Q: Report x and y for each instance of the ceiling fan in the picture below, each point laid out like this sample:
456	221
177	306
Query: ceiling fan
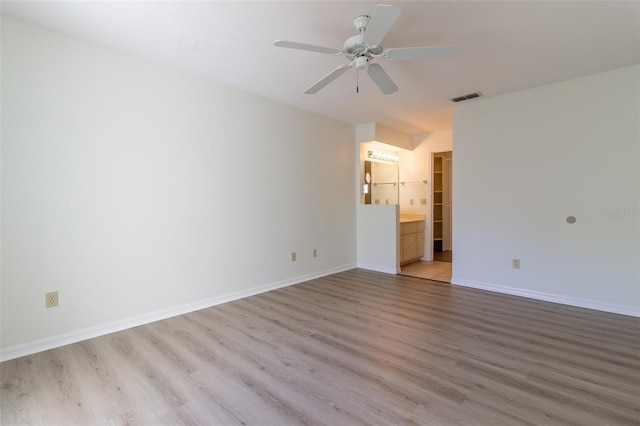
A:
365	48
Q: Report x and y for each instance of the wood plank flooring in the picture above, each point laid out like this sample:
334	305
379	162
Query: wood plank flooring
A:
353	348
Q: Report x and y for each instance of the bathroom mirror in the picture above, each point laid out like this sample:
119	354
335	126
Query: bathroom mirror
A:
383	188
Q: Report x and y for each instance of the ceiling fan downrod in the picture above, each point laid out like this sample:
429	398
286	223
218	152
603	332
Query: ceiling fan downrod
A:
361	22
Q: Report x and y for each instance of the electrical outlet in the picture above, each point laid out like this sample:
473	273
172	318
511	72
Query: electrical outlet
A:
515	263
51	299
293	256
315	253
423	201
386	201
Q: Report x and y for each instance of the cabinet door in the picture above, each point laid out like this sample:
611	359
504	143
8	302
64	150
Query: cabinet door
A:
409	245
419	244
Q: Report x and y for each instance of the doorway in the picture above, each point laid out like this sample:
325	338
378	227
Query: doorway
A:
441	203
438	260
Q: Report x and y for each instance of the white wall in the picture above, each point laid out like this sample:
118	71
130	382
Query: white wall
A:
392	136
369	132
525	161
138	191
378	231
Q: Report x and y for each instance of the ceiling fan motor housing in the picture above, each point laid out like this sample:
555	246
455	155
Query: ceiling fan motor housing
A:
354	47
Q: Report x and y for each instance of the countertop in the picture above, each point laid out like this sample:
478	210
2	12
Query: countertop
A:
406	217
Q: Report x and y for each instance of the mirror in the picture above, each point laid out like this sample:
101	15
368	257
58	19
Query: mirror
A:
383	185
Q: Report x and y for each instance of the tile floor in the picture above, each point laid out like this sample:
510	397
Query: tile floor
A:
443	256
437	271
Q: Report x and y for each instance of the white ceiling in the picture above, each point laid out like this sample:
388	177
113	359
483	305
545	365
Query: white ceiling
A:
504	47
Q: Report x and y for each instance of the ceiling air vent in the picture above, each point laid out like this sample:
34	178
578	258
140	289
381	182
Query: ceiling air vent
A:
465	97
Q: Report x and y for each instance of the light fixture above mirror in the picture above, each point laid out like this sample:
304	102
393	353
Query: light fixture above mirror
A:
384	156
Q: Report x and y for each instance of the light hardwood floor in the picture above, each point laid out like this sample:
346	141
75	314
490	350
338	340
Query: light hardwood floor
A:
352	348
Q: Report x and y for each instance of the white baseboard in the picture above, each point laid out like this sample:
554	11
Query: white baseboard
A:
555	298
100	330
378	268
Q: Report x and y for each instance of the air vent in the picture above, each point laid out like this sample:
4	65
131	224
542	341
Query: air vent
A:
466	97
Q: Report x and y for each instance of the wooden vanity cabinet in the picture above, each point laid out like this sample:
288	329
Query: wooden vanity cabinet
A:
411	241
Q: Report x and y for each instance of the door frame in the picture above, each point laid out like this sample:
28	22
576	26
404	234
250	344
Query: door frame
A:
428	249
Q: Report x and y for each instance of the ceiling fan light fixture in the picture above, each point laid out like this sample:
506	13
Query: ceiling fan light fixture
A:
362	63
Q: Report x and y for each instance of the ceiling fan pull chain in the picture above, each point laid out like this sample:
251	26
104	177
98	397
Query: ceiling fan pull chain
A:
357	88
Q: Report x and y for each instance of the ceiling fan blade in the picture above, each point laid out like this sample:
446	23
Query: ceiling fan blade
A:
418	53
304	46
383	18
328	79
382	79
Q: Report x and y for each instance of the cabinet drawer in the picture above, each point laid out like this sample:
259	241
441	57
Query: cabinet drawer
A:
419	226
408	228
